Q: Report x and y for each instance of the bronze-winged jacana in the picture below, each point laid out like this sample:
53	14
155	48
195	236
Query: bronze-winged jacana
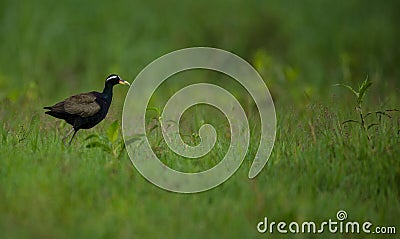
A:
84	111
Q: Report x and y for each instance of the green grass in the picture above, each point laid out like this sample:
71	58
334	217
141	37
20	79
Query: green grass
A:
317	168
50	50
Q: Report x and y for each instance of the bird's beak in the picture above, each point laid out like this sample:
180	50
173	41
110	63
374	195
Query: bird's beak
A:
122	82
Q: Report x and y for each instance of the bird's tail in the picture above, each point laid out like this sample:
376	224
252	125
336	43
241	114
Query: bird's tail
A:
53	112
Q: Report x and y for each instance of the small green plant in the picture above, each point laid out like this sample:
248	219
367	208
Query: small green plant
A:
111	142
158	121
360	94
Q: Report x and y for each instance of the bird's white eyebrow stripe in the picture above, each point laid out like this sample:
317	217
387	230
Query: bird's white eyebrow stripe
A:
112	77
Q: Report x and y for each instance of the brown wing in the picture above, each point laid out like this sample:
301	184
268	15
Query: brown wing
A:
84	105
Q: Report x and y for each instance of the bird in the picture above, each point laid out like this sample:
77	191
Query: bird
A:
85	110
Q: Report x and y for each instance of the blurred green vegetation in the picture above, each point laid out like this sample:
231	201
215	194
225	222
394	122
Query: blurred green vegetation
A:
53	49
300	47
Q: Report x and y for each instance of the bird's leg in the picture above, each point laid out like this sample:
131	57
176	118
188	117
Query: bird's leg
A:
68	134
72	137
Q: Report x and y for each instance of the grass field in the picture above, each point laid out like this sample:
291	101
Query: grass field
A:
318	165
317	168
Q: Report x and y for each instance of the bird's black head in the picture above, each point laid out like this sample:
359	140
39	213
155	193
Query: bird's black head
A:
114	79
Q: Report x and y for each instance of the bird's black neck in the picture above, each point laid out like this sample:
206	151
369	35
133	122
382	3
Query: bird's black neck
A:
108	91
